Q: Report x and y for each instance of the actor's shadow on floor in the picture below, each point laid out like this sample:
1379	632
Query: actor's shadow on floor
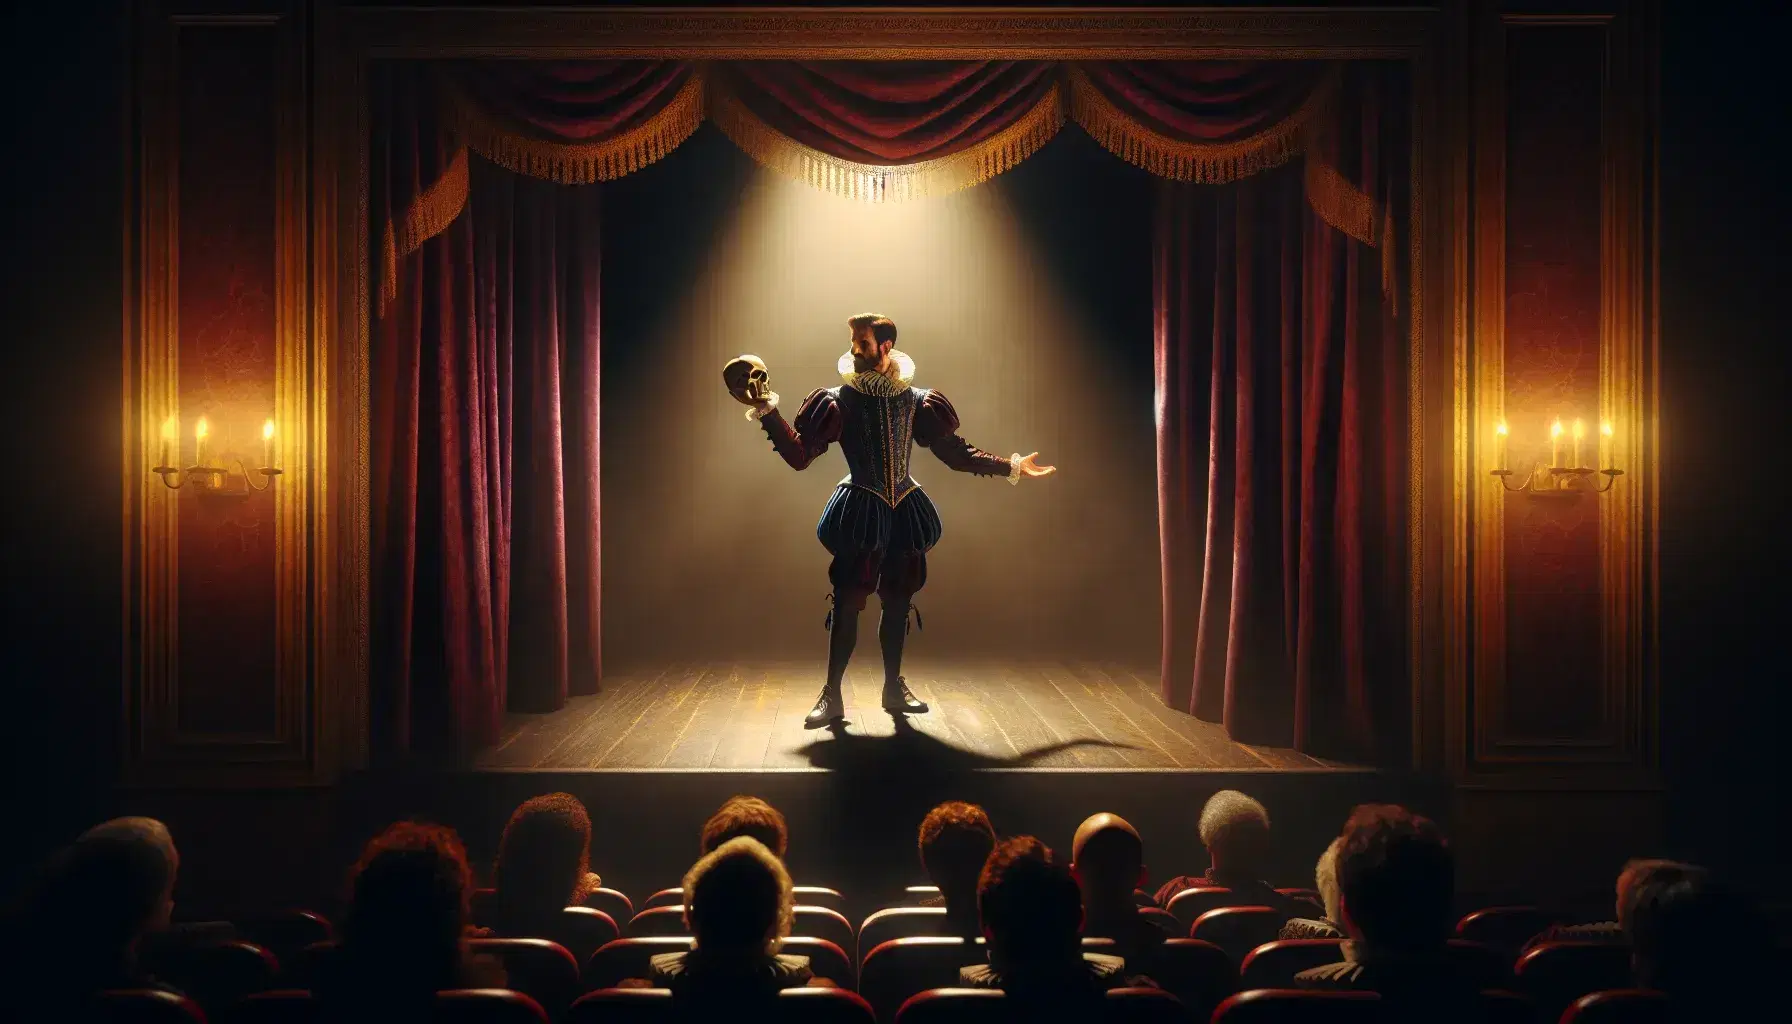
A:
912	754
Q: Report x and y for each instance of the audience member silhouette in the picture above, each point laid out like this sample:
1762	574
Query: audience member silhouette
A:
543	866
955	840
1032	914
1396	886
746	816
1107	859
1235	830
739	908
1704	944
1325	881
404	937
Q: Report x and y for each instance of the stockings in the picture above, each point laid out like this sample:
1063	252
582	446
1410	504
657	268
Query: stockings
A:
843	636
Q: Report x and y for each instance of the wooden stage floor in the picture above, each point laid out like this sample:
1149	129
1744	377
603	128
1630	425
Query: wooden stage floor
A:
723	716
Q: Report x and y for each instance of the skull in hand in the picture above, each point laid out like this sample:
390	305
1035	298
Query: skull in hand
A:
747	380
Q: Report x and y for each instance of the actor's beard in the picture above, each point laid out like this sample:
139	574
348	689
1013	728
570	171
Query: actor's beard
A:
866	364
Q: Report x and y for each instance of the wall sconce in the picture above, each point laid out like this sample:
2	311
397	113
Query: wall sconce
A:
209	479
1558	479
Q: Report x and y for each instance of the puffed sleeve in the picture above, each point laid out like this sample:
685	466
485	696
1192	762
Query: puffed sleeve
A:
817	426
936	429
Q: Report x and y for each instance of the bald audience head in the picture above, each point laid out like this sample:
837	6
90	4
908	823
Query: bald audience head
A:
1108	859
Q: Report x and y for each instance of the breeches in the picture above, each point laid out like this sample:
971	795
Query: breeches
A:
877	548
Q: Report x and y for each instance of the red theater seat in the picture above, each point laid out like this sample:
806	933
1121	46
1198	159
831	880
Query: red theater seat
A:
583	931
305	969
664	898
1164	920
895	970
822	923
612	903
951	1006
1298	1006
545	971
900	923
623	1006
216	974
1198	973
622	959
1556	974
1505	928
1190	904
487	1006
145	1006
657	921
819	896
281	1006
1144	1006
1619	1006
823	1006
826	959
1237	930
285	932
1274	964
914	894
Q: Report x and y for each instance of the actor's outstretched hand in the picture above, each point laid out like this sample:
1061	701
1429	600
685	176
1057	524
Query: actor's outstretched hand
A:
1030	468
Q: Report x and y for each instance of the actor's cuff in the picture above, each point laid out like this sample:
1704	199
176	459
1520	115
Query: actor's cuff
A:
758	412
1014	468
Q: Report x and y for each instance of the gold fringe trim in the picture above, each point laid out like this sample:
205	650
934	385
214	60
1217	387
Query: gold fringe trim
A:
1338	202
878	183
1207	163
578	163
428	216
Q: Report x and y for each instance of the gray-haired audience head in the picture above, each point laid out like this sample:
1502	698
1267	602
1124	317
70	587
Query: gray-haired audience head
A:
1235	830
155	849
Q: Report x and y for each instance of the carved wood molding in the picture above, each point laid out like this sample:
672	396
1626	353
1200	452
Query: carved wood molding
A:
1621	750
162	747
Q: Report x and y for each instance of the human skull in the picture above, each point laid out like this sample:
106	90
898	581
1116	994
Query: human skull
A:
747	379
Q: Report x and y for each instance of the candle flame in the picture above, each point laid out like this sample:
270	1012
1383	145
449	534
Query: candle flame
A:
1500	428
170	427
202	429
1556	431
1606	428
267	430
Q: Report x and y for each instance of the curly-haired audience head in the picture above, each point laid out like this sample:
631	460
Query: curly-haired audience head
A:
1031	908
1108	859
1235	830
1690	935
1325	879
746	816
954	841
1641	877
1396	879
408	897
738	900
544	857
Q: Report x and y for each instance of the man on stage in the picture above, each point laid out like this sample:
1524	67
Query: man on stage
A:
879	524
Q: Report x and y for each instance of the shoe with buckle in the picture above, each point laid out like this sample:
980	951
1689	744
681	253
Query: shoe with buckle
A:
829	708
899	700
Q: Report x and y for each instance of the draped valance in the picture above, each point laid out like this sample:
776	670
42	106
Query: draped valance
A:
882	130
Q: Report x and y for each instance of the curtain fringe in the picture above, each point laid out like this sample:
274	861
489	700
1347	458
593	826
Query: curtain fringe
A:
879	183
1338	202
579	163
1206	163
428	216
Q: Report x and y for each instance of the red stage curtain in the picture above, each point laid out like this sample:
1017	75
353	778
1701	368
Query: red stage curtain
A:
484	401
1281	410
888	129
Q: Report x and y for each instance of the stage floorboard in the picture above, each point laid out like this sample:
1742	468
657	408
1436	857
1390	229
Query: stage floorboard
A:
747	716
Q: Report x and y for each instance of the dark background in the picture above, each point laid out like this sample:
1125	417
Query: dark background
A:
1724	368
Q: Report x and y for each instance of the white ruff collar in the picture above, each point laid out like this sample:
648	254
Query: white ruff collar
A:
871	382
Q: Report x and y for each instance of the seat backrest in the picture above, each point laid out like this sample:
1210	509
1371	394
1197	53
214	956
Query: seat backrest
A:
1274	964
486	1006
622	959
1482	965
823	923
280	1006
1164	920
819	896
544	970
1556	974
1310	895
1141	898
914	894
285	932
611	902
623	1006
1619	1006
895	970
307	967
662	920
1190	904
1238	930
826	959
900	923
1198	973
823	1006
664	898
1505	928
583	931
145	1006
951	1006
216	974
1144	1006
1298	1006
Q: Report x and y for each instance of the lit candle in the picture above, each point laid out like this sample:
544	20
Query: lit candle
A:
169	429
199	433
1580	431
1555	444
267	445
1606	442
1499	445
